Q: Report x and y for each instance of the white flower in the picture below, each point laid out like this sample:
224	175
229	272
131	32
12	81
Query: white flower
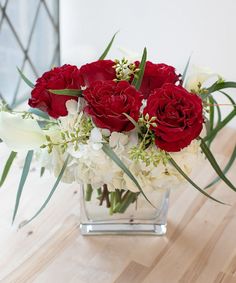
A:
199	76
20	134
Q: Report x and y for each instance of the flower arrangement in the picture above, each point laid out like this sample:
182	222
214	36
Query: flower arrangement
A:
120	128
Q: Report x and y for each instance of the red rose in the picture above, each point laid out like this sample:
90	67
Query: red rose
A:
63	77
101	70
108	100
179	116
155	76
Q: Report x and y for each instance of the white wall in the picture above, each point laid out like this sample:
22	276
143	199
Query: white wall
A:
170	29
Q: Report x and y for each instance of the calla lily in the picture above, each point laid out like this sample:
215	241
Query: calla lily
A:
198	77
19	133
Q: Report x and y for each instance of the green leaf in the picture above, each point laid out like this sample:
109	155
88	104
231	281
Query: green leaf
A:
218	121
7	167
69	92
26	80
226	169
110	153
191	182
211	114
133	122
23	178
51	193
218	86
218	111
42	170
230	98
221	125
137	81
104	54
186	70
215	165
39	113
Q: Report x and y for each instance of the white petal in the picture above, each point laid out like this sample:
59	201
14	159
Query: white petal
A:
71	106
20	134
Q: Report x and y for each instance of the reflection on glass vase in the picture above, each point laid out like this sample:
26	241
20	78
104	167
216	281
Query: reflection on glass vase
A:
123	212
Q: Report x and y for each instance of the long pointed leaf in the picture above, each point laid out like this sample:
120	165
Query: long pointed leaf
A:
137	81
70	92
218	86
26	80
105	52
7	167
230	98
109	152
39	113
226	169
42	170
191	182
225	121
215	165
23	178
51	193
186	69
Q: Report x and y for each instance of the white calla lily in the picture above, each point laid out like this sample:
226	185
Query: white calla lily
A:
198	76
19	133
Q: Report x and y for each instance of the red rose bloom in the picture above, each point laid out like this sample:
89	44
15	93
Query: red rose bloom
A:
179	116
108	100
63	77
155	76
101	70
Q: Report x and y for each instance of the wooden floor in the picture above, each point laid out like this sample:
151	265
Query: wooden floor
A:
200	245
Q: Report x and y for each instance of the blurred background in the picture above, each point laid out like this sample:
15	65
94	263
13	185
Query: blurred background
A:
38	34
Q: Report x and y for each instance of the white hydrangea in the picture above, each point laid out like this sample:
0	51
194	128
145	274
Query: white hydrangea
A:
90	165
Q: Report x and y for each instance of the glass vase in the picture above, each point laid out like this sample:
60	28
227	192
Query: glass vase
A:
123	212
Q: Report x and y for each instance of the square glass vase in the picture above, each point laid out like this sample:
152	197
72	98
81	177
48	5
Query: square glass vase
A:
102	214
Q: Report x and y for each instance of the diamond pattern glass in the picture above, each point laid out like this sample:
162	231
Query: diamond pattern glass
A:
29	39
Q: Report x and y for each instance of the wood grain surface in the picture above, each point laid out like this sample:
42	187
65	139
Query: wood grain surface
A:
200	245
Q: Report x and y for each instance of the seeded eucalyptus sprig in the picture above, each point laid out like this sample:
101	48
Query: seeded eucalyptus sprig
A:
125	70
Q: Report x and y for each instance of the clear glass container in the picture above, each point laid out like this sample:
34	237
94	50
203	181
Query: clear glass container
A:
139	217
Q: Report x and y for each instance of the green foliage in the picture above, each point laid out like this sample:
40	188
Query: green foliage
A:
190	181
25	79
51	193
7	167
105	52
23	178
137	81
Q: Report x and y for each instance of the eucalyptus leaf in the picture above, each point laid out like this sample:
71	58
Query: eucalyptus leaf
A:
23	178
215	165
110	153
7	167
25	79
105	52
68	92
133	122
51	193
138	81
226	169
42	170
186	70
218	86
191	182
221	125
38	113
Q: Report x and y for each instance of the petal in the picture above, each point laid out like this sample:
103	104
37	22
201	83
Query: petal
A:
20	134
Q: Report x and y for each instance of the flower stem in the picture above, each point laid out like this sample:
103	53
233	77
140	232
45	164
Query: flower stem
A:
88	193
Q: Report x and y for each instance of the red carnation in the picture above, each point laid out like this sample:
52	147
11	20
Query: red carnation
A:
63	77
101	70
108	101
155	76
179	116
